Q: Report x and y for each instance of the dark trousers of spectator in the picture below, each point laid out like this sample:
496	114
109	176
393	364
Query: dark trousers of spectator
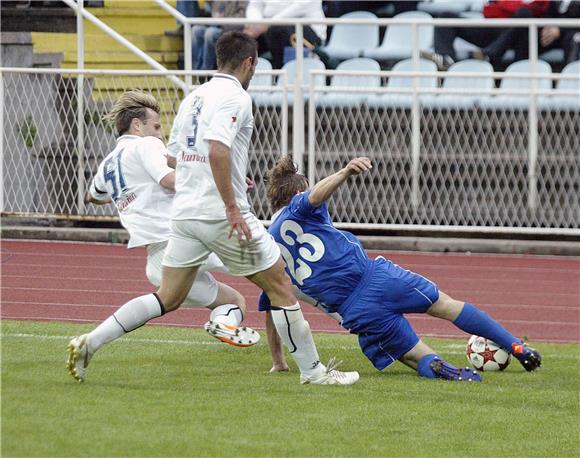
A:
570	42
516	38
479	36
278	37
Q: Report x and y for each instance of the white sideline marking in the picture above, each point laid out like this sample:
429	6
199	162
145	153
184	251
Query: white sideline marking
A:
449	347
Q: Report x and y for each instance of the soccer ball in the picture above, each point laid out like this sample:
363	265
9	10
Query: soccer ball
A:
486	356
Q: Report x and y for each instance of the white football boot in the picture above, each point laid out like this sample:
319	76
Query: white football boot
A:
78	357
331	376
239	336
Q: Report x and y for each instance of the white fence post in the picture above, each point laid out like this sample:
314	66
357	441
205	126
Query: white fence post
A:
298	107
187	57
533	122
311	130
80	110
415	123
284	77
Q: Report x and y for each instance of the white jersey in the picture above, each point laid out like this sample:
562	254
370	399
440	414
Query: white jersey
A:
218	110
130	175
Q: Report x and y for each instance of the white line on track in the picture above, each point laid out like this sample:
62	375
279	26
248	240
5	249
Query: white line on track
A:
470	256
415	267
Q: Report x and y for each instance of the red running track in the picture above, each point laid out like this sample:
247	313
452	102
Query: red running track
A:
533	296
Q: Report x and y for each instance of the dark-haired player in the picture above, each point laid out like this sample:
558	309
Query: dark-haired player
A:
331	270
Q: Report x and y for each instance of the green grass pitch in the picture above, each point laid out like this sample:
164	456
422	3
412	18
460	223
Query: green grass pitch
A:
174	392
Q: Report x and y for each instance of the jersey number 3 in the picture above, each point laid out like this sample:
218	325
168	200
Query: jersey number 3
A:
310	249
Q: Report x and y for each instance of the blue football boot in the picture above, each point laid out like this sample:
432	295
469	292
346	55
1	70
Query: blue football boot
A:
446	371
527	356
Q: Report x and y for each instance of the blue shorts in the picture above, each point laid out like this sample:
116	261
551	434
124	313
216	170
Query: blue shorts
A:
375	311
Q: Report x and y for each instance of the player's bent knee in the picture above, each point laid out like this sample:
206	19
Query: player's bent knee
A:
446	307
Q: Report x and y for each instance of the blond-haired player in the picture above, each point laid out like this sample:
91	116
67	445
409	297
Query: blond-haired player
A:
136	177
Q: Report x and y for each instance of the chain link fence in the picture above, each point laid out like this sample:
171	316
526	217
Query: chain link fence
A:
452	165
465	162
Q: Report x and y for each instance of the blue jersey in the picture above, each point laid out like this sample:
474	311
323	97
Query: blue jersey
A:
323	262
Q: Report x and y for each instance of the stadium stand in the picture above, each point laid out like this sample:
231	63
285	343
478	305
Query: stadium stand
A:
398	42
143	26
348	41
436	7
477	153
261	97
511	101
405	82
556	101
309	63
349	98
482	80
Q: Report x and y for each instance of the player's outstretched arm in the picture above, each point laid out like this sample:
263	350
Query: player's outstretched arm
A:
324	188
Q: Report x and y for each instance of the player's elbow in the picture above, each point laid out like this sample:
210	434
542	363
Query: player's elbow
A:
168	181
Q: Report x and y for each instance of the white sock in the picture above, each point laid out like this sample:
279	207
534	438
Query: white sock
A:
227	314
129	317
294	331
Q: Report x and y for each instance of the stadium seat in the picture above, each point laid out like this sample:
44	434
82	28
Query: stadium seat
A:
555	101
406	82
348	41
290	68
437	7
347	98
513	101
482	80
261	97
398	42
463	48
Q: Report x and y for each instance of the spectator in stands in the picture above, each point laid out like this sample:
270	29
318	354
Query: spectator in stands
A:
566	38
189	8
549	37
204	37
275	38
492	41
382	8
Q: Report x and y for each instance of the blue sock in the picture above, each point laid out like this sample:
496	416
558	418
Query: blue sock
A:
474	321
423	367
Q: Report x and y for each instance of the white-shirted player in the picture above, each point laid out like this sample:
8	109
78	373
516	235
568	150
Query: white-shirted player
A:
210	140
136	177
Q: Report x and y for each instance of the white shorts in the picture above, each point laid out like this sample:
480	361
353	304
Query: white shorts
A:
204	290
192	241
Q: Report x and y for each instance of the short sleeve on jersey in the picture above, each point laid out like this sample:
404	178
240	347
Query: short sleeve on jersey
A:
226	122
152	152
300	205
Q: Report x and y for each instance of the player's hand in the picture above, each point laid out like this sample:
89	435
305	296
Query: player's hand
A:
281	367
255	30
358	165
548	35
250	184
238	224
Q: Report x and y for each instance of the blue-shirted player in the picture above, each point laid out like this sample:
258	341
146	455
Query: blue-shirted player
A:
331	270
